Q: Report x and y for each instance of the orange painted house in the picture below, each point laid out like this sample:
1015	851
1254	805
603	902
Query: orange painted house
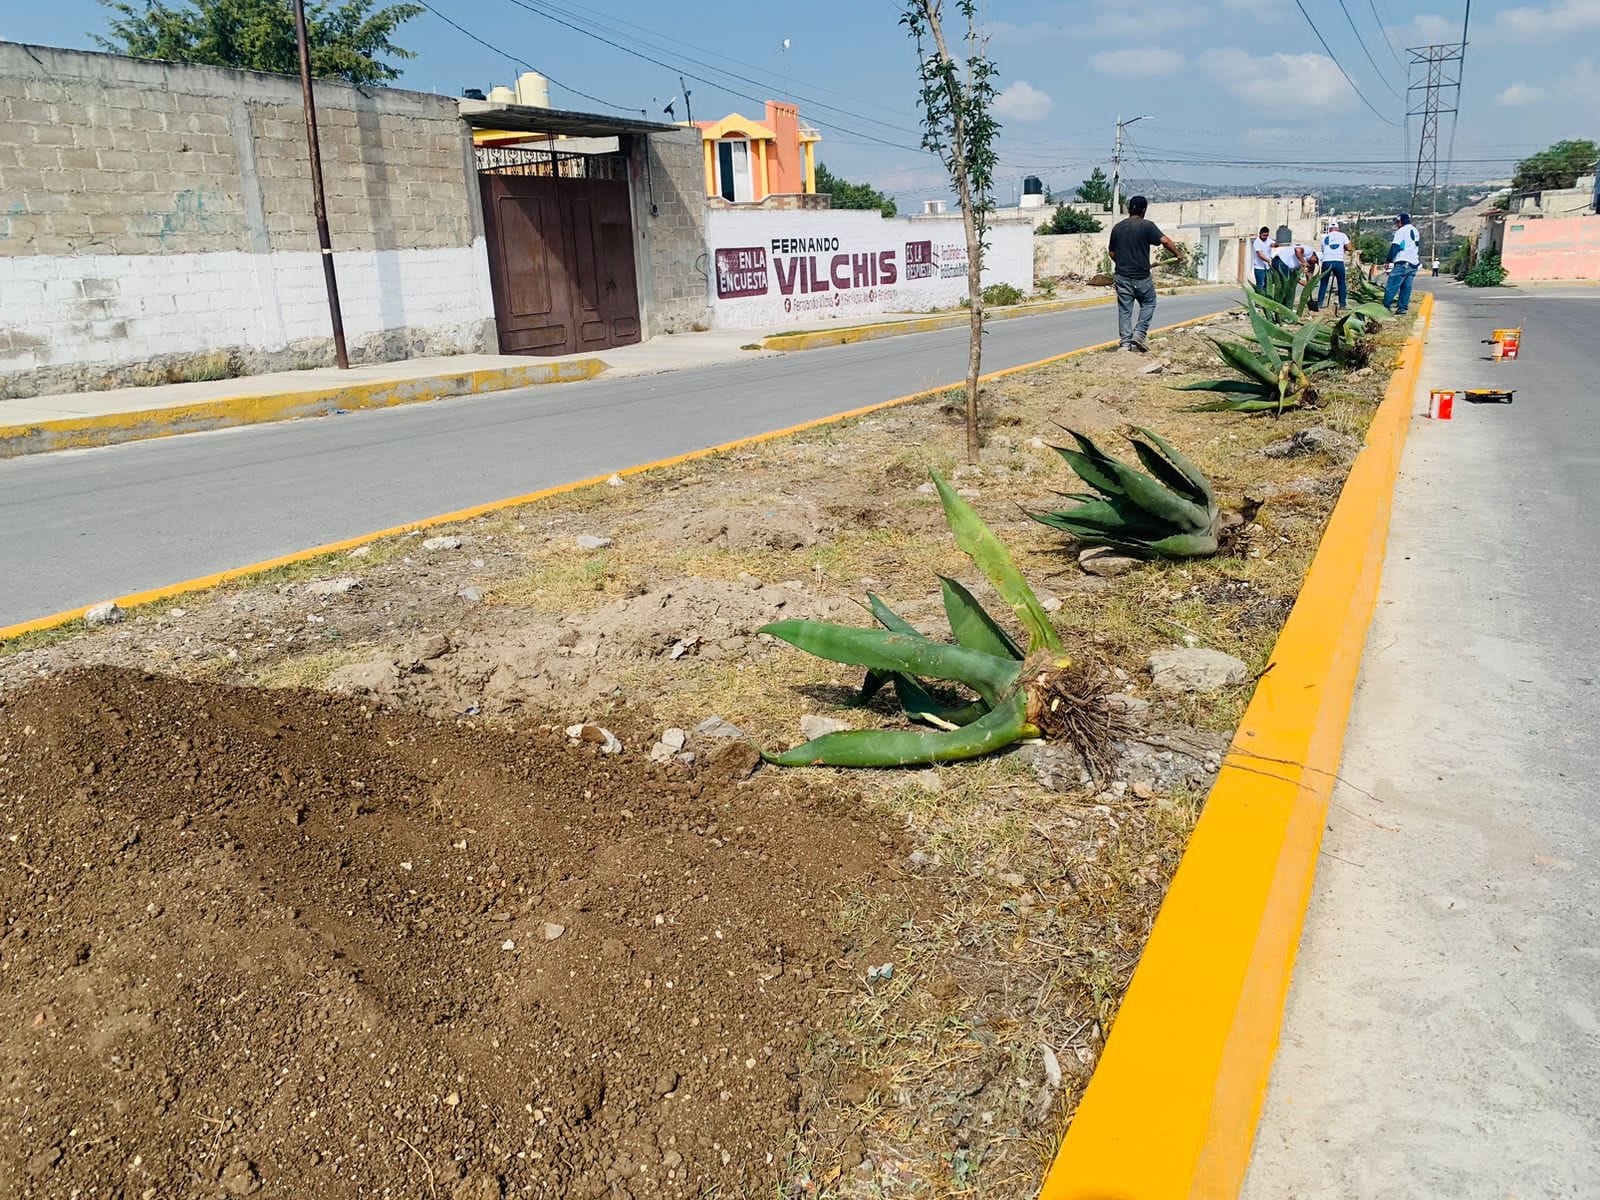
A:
747	161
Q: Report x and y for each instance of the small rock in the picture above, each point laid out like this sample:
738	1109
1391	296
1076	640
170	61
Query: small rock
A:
1159	367
360	551
966	472
446	542
109	613
472	595
1143	790
926	489
45	1159
885	972
178	614
929	781
553	930
333	587
1050	603
1038	444
614	481
749	580
1056	766
1318	439
920	860
675	739
240	1178
686	758
1106	562
436	646
716	727
1012	879
812	726
453	1099
1195	670
588	541
508	945
666	1083
602	737
967	493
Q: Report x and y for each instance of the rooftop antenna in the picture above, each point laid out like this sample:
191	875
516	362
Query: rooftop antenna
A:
688	113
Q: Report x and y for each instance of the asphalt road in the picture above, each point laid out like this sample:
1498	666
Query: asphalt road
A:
1443	1031
78	527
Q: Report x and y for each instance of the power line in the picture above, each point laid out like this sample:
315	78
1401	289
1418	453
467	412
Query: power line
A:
1383	29
639	54
617	27
508	56
1360	42
1340	65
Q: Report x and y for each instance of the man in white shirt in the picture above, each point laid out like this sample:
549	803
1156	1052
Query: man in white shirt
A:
1332	251
1261	256
1405	256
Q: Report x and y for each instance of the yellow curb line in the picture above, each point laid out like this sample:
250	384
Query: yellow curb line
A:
1171	1109
203	582
75	433
818	338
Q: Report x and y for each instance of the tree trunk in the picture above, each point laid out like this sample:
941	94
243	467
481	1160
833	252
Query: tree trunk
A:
969	221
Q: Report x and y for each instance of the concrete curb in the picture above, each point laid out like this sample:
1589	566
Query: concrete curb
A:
1172	1107
76	433
817	338
204	582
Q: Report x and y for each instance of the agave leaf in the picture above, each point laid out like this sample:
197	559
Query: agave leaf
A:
994	560
1302	339
1243	406
1008	723
971	623
1246	387
1246	361
1102	518
889	619
1091	471
1186	545
1168	474
1159	501
1326	364
1272	308
899	653
921	705
1192	473
1263	332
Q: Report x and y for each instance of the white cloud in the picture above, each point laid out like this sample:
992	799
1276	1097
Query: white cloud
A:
1023	102
1426	29
1138	63
1558	19
1519	93
1139	22
1280	81
1584	82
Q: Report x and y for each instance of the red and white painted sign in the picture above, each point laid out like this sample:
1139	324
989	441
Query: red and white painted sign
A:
777	268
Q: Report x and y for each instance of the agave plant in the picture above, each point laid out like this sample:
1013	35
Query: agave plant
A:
1019	694
1283	287
1343	339
1277	379
1169	513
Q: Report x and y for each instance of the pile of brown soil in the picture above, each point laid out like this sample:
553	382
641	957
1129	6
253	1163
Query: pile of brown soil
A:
284	944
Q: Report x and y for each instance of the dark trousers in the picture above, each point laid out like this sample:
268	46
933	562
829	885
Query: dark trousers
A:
1332	271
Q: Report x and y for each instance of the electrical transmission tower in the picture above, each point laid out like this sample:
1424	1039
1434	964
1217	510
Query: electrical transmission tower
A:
1434	92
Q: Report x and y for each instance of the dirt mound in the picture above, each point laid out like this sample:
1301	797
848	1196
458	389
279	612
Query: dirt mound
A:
782	524
281	944
578	658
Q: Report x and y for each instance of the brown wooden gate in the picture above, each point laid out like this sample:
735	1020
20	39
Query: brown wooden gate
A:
560	263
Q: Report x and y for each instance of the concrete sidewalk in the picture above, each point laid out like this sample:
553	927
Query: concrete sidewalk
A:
1442	1038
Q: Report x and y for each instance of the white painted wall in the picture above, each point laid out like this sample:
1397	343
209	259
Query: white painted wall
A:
86	309
772	267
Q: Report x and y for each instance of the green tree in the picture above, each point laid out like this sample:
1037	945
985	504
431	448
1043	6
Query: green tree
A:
1556	166
1096	189
1070	220
852	195
348	40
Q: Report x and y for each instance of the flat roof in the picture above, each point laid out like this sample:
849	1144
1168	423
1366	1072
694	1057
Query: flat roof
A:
526	118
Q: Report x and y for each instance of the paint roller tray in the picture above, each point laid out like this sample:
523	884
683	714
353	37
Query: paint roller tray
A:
1488	395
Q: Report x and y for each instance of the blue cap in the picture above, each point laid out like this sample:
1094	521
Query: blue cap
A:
1405	218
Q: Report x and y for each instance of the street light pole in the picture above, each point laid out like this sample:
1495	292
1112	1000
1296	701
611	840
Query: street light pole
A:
1116	169
319	205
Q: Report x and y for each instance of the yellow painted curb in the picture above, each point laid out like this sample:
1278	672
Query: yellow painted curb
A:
203	582
76	433
1172	1107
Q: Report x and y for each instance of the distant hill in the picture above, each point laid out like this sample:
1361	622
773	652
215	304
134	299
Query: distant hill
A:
1331	197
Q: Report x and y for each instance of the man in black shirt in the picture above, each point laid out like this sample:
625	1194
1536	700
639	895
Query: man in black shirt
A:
1131	240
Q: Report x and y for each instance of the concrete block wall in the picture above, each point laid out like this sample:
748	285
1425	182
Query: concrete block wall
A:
673	242
153	214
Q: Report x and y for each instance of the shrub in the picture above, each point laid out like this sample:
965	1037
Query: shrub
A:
998	295
1070	220
1486	272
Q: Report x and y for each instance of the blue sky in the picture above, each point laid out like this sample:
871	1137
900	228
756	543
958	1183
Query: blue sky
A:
1235	90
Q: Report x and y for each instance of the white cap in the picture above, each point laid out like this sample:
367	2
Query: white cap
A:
1333	224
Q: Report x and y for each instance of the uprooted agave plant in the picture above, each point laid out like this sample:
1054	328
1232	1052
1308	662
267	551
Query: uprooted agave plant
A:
1346	339
1276	380
1169	513
1020	694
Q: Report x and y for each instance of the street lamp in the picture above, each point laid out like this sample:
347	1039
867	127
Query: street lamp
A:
1116	169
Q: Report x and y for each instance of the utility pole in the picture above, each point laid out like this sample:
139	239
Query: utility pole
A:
319	205
1116	169
1439	81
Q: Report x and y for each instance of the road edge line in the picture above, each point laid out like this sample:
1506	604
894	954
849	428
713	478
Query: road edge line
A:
1171	1110
227	412
204	582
